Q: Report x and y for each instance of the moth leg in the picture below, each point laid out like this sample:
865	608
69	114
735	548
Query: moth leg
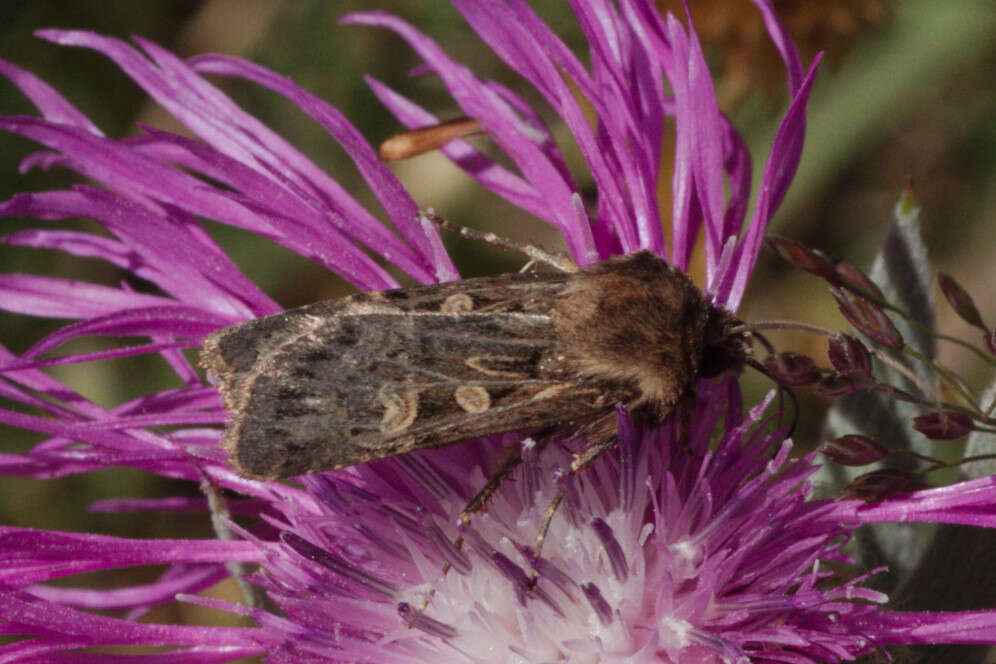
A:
477	503
556	261
604	436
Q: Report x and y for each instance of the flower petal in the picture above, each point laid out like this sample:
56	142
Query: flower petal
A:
46	99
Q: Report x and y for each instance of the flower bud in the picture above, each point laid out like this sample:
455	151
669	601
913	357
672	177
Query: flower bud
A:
853	450
881	484
943	424
792	369
960	300
837	385
868	318
989	339
803	257
849	356
856	280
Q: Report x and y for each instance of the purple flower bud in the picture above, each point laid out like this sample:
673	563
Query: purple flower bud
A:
792	369
881	484
849	356
837	385
943	424
810	260
853	450
854	279
868	318
960	300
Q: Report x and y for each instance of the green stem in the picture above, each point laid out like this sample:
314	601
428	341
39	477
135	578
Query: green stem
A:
955	340
949	376
937	335
900	367
923	328
940	465
917	455
932	405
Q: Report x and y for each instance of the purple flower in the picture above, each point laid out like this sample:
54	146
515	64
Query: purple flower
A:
668	550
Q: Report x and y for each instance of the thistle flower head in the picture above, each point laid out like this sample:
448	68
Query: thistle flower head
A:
668	550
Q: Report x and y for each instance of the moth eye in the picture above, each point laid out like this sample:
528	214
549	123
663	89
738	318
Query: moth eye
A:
472	398
458	303
400	410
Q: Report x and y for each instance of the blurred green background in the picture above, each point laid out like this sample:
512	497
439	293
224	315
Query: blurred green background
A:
906	93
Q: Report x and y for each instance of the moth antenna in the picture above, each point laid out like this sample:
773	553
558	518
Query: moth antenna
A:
782	390
426	139
752	328
558	262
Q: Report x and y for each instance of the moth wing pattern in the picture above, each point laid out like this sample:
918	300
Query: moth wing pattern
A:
342	382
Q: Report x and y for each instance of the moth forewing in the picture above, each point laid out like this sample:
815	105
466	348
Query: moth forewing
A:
342	382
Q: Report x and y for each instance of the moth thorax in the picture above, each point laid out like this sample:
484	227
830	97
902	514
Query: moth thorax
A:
637	324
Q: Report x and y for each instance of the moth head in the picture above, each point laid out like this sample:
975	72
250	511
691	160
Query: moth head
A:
726	343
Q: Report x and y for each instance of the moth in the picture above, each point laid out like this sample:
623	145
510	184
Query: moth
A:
342	382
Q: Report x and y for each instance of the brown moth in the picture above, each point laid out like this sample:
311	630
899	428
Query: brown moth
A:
341	382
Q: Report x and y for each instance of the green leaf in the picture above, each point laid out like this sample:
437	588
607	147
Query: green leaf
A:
903	272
